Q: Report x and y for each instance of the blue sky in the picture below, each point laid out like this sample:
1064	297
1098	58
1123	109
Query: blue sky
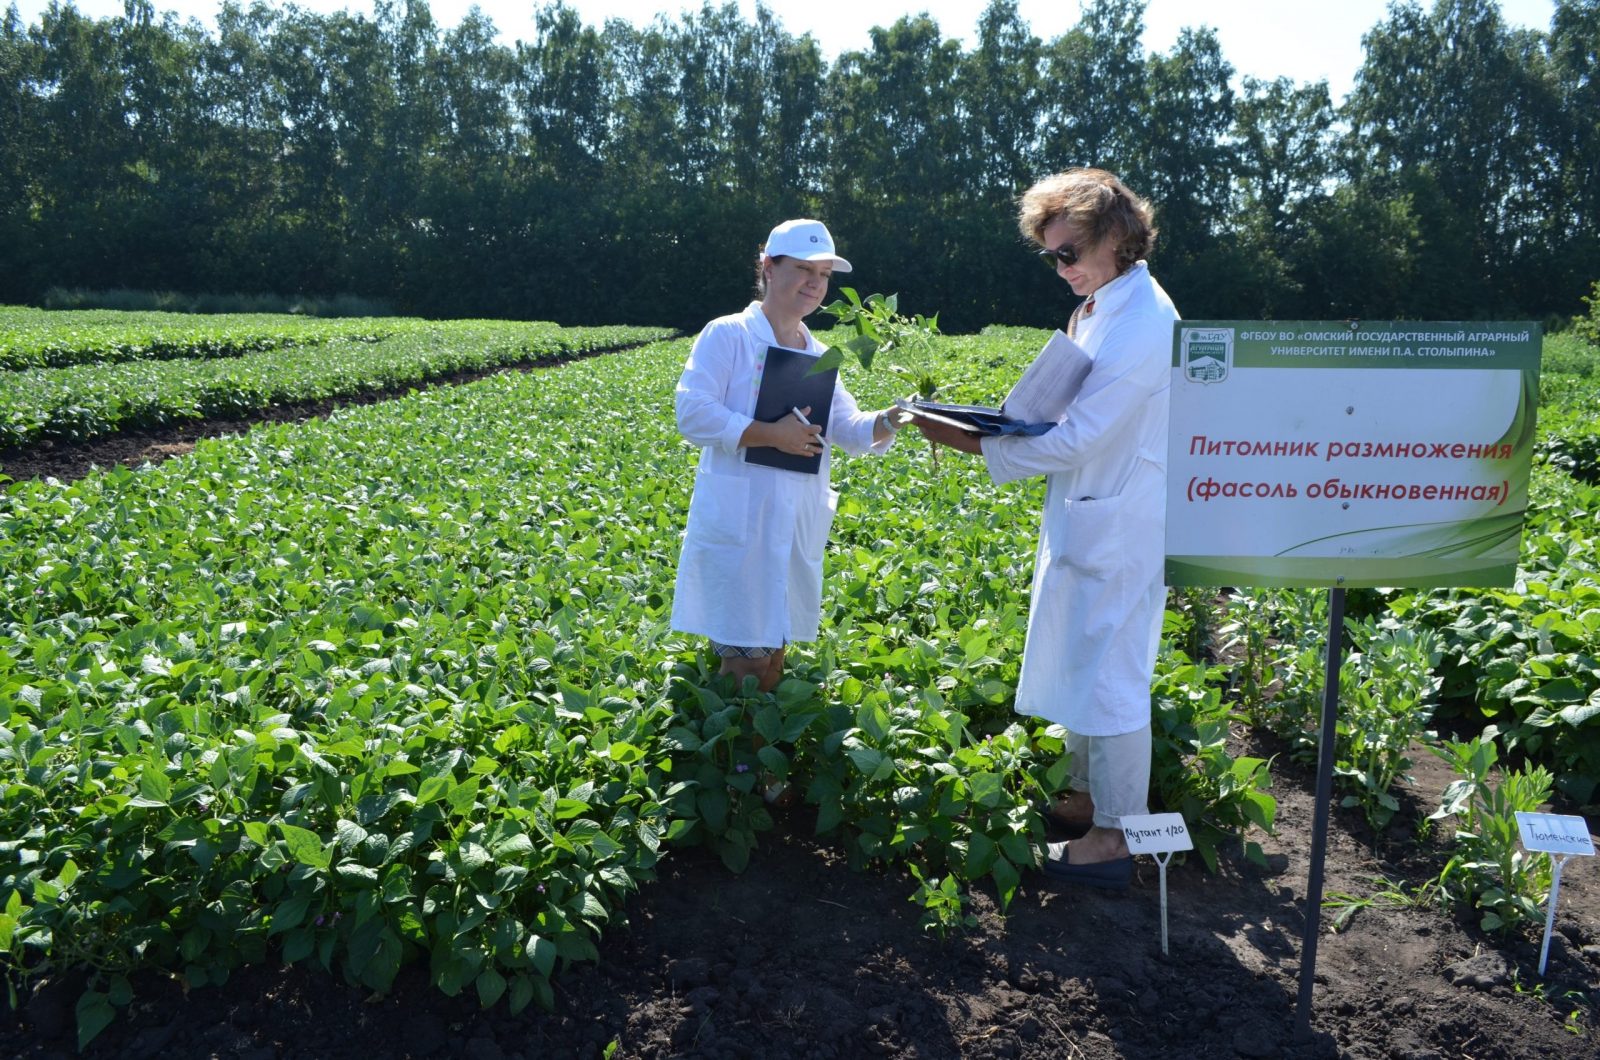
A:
1305	40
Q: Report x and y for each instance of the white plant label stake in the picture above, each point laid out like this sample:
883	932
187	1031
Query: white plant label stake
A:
1563	837
1160	835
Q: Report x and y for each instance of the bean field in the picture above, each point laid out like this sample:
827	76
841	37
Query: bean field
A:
387	697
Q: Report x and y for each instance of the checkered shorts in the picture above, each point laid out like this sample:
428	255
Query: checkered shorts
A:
734	651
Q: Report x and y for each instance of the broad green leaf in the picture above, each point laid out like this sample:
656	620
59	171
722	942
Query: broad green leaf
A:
288	914
987	789
94	1015
119	991
472	857
297	945
491	987
981	855
515	846
348	835
433	788
774	761
304	846
155	789
1006	879
625	753
542	952
867	760
769	723
521	993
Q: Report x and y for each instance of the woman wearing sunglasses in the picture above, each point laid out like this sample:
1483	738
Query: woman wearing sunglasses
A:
750	570
1098	596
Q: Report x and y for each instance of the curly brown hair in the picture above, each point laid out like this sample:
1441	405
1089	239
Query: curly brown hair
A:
1097	205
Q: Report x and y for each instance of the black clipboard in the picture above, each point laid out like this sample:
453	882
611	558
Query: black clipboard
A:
788	383
974	419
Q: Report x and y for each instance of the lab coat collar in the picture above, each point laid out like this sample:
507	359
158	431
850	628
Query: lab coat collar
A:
1110	298
758	324
761	327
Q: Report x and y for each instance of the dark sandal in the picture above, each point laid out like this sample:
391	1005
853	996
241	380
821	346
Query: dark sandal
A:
1113	875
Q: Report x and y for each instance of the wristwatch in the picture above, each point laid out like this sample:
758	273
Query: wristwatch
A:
888	422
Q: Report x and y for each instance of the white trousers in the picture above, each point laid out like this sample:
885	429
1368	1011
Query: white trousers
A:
1115	771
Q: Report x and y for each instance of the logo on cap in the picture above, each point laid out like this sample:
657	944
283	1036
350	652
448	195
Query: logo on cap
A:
814	239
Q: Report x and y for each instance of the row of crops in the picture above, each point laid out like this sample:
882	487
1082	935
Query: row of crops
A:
38	338
398	686
118	371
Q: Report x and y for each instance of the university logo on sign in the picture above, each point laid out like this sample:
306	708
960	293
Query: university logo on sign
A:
1207	354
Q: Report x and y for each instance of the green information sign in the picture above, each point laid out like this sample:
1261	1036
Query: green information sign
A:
1323	453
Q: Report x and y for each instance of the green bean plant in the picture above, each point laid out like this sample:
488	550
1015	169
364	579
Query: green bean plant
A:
1490	872
1193	773
1386	687
1245	643
874	326
1191	621
899	776
728	743
1526	658
1297	658
925	385
945	906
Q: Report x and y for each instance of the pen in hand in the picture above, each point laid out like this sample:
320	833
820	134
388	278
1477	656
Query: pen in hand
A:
801	416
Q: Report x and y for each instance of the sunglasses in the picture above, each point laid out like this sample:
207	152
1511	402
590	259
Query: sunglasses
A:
1065	254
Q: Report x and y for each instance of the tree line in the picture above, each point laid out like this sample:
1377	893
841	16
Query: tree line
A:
620	174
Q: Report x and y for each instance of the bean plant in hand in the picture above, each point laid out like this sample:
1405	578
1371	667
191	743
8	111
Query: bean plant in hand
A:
874	326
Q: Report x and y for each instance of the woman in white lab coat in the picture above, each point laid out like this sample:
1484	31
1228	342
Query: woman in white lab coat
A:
750	571
1098	596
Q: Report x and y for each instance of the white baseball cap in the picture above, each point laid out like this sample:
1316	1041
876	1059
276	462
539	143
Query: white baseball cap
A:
804	239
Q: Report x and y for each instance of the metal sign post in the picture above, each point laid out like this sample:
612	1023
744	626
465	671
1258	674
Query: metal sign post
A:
1319	827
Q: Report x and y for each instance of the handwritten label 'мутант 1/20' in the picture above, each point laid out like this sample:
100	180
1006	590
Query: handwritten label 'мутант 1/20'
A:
1156	833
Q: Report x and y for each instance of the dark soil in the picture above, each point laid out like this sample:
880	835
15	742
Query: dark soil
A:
802	957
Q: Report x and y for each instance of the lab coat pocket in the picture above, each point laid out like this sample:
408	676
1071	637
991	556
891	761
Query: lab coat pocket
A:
1089	537
719	510
1085	592
813	524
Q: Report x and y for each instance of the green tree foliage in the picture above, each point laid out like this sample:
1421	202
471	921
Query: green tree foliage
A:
1574	51
625	174
1185	161
1284	139
1460	114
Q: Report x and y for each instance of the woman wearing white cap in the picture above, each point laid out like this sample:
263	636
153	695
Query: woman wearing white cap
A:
750	572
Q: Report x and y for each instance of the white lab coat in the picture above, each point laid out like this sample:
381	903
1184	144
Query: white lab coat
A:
750	571
1094	623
